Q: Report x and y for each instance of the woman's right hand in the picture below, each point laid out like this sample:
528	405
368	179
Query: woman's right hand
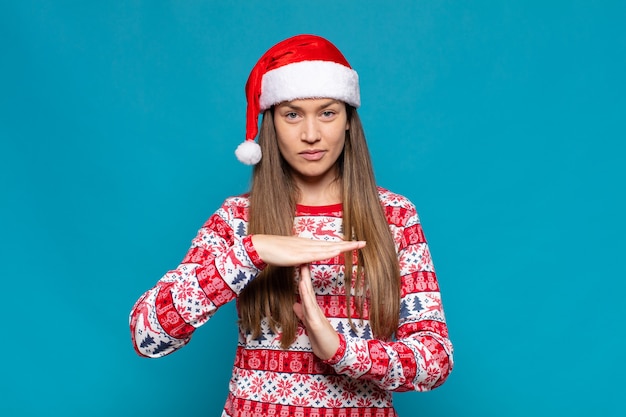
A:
295	251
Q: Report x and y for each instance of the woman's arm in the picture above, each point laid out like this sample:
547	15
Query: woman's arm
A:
219	264
421	357
222	260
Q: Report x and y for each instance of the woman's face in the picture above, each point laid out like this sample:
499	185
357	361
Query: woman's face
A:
311	136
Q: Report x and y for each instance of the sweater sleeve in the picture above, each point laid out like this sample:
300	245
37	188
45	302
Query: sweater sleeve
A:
218	265
421	356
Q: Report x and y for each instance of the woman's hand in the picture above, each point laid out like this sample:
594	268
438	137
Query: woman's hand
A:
298	251
295	251
323	337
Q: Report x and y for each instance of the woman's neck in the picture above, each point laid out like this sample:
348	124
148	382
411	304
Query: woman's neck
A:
315	194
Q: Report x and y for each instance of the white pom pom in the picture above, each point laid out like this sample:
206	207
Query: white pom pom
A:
248	152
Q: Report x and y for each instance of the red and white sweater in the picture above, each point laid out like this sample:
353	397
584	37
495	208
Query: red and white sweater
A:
268	380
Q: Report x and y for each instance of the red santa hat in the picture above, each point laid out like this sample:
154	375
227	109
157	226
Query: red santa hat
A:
304	66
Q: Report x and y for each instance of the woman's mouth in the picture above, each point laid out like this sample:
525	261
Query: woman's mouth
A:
312	155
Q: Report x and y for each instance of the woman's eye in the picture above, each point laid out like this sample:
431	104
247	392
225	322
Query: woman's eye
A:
291	115
328	113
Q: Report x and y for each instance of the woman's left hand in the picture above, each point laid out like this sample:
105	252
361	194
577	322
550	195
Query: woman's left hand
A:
324	339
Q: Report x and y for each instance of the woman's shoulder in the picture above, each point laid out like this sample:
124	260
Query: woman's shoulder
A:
241	200
390	199
235	207
399	210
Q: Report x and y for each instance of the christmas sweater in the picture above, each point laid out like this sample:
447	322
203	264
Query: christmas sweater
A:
267	380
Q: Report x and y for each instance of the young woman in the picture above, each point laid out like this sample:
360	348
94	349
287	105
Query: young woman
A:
337	298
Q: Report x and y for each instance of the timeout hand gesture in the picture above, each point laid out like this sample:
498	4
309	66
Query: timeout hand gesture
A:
296	251
323	337
299	252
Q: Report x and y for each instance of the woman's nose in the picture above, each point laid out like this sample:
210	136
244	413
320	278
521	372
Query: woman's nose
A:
311	132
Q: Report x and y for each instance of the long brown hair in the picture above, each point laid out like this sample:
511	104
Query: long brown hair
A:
273	197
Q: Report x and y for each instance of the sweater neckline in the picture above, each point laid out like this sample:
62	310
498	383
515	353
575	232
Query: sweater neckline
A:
327	209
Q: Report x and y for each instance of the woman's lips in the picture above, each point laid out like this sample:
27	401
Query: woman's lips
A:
314	155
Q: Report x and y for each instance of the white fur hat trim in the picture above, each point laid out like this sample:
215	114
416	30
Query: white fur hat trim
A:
310	79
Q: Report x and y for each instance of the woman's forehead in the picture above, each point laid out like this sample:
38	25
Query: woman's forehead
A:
310	103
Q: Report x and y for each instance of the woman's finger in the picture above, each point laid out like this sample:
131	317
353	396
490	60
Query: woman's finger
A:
305	286
293	250
311	311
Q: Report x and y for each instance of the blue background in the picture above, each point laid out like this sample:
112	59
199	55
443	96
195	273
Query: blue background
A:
502	121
